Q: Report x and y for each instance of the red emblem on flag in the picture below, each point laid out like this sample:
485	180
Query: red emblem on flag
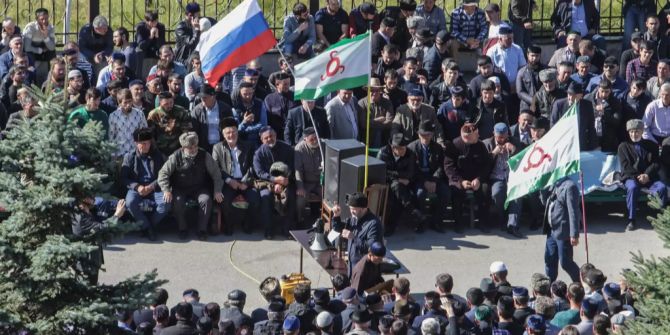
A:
540	158
333	66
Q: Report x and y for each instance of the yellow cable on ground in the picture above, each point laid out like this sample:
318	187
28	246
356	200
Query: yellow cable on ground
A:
230	259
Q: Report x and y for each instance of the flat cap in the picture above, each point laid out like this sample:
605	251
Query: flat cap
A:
548	75
500	128
634	124
611	60
443	35
457	91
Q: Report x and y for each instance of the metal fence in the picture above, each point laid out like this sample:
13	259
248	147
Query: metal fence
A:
128	13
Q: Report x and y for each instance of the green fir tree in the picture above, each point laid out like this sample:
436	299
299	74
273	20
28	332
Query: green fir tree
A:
650	282
46	166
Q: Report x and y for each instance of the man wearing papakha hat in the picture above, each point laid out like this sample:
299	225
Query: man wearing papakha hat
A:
189	174
467	166
139	174
639	168
401	176
361	230
367	272
234	159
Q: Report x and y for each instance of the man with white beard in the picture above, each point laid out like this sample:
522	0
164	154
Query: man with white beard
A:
307	172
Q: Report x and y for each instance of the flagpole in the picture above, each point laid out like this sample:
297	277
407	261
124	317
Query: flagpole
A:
367	119
586	234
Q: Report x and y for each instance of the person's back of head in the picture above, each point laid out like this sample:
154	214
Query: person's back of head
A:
444	282
340	281
559	289
269	288
432	300
204	325
161	314
145	328
505	307
301	293
475	296
430	326
401	286
576	292
569	330
161	297
589	308
184	311
399	327
545	306
540	284
601	325
213	310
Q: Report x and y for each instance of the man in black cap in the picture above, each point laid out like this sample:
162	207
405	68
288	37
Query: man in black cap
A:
182	314
308	174
302	308
277	104
409	116
361	320
299	118
188	33
235	160
191	173
588	139
274	165
608	116
208	117
273	325
361	230
611	73
367	273
488	111
432	60
545	96
431	190
382	37
233	309
139	174
401	176
467	166
528	78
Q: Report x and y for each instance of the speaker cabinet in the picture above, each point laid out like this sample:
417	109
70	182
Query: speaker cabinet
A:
336	151
353	170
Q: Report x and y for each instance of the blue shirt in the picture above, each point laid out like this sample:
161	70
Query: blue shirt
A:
579	19
213	136
509	60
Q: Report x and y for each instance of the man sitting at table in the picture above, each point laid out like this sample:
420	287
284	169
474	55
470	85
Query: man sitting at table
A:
367	273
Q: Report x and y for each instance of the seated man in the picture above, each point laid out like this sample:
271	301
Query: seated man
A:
188	174
544	98
583	74
409	116
277	104
235	160
468	25
588	138
367	272
299	33
467	165
639	168
431	190
654	129
580	16
308	173
400	175
139	174
274	167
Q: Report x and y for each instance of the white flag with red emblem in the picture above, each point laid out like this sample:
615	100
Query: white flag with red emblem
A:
345	64
541	164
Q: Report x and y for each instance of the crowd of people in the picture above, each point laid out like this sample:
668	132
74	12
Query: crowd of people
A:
590	306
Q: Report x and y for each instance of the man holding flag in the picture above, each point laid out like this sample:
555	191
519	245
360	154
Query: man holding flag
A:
547	163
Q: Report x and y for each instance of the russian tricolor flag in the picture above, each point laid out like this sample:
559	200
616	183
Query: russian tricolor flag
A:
235	40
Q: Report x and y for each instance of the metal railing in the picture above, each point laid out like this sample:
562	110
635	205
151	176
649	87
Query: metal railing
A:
128	13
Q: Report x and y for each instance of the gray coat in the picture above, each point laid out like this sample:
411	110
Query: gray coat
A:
307	165
340	126
562	219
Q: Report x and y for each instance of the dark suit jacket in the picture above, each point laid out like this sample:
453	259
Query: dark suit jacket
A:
612	123
130	169
466	162
223	158
516	137
376	45
630	161
404	167
435	161
181	328
200	126
295	124
588	140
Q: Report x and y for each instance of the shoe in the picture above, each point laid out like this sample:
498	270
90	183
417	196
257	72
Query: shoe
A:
514	231
183	234
631	225
202	236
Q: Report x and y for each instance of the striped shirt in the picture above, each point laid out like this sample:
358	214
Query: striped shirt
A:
635	69
464	26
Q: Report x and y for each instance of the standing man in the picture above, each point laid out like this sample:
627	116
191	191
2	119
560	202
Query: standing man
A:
561	224
208	117
433	16
342	113
308	167
636	12
139	174
507	56
188	33
588	138
188	174
528	78
361	230
39	40
299	119
521	16
124	121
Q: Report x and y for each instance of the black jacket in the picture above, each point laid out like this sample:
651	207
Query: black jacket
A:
186	41
435	161
200	125
237	316
377	43
149	47
632	166
474	88
588	139
466	162
561	18
132	163
543	101
520	11
404	167
297	120
402	36
612	123
527	83
440	91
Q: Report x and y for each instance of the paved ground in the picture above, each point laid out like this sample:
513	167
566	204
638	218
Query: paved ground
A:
206	265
